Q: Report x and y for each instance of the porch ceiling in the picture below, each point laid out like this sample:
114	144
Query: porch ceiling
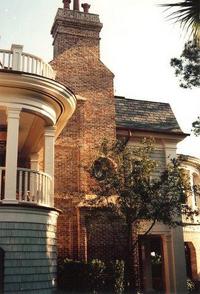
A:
30	132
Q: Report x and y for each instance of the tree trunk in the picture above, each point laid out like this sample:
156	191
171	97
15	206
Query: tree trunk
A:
131	264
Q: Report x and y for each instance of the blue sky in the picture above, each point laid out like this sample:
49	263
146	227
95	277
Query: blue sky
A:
137	44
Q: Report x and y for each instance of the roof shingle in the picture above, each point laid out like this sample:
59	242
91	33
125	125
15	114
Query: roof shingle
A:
145	115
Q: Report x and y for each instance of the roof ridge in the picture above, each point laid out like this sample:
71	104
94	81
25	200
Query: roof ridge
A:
141	100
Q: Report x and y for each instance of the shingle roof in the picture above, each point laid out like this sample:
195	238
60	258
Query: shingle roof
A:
145	115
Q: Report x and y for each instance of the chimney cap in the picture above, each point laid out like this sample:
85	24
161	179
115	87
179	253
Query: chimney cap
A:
67	3
85	7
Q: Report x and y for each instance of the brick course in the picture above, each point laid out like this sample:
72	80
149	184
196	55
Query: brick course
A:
78	67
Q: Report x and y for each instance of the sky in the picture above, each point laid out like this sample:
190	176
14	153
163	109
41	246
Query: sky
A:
137	42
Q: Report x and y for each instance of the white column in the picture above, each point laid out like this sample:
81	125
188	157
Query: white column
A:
49	140
174	262
168	264
177	243
11	154
179	261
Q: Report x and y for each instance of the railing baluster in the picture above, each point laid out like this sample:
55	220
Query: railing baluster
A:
41	66
32	64
0	183
29	63
3	60
36	66
39	188
20	185
46	195
23	62
26	186
9	60
49	192
42	188
32	186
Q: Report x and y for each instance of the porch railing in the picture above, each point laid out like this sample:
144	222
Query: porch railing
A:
33	187
17	60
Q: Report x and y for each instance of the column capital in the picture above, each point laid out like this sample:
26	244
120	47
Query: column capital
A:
13	112
49	131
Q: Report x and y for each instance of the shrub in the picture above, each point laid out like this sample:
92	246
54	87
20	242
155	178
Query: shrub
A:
92	277
118	272
193	286
97	276
73	276
190	285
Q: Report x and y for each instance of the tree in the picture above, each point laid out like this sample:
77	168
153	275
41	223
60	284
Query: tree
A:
187	13
125	187
187	67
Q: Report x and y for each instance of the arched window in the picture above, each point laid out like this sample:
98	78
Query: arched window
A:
191	260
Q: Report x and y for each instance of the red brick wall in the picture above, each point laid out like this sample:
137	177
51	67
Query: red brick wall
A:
80	69
72	28
61	44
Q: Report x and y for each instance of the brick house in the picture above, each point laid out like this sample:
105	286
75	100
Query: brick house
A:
98	115
71	103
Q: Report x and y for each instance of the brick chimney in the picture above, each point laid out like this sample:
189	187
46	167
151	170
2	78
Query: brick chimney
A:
72	27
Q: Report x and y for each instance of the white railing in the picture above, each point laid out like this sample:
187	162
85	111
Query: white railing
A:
6	59
17	60
33	187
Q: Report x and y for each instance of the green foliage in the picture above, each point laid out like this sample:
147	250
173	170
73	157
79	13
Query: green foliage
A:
73	276
187	13
118	276
92	277
96	275
126	188
193	286
190	285
127	173
187	67
196	127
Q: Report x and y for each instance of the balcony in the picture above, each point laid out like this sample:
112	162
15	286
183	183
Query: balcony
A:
34	108
16	60
33	187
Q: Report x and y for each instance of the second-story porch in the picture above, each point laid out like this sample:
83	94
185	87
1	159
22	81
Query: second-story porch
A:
34	108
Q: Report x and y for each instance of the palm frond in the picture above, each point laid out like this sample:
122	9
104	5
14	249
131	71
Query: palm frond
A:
187	13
